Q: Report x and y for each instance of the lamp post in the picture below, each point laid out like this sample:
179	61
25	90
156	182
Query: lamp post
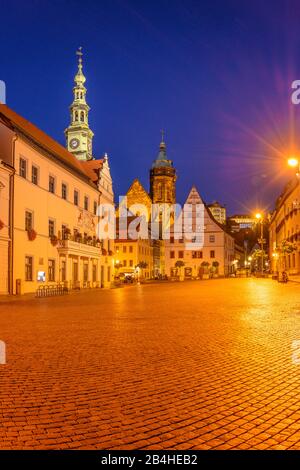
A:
260	218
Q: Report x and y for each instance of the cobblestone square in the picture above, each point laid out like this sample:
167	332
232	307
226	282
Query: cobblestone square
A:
191	365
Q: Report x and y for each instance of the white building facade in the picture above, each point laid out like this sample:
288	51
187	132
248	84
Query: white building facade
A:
215	257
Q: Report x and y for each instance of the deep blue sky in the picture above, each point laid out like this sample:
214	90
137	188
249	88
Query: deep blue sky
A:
215	74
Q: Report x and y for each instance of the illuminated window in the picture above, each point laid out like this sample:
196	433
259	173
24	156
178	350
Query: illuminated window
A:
64	191
23	168
76	197
51	270
51	184
34	175
51	227
28	220
28	268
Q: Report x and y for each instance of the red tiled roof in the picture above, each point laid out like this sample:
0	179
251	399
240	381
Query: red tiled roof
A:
18	123
91	168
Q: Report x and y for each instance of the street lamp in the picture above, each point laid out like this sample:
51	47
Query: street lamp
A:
294	163
259	217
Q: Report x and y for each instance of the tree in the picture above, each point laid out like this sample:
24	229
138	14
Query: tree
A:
205	265
179	265
142	265
215	265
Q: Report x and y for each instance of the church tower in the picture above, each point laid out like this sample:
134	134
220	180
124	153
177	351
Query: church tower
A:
79	136
162	178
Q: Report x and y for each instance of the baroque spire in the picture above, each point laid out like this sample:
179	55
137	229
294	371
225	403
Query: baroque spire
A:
78	135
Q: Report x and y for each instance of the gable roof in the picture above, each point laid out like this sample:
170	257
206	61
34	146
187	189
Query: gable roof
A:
194	194
20	124
137	184
92	168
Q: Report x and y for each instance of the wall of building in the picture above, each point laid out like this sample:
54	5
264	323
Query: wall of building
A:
130	253
285	227
44	205
5	176
216	246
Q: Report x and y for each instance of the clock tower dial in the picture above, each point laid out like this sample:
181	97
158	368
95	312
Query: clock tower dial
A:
79	136
74	143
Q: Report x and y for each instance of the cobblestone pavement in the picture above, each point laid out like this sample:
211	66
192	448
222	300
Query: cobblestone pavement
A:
204	365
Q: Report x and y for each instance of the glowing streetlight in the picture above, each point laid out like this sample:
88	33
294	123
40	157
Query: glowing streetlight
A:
293	162
259	217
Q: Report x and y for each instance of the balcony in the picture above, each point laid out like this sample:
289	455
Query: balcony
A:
79	247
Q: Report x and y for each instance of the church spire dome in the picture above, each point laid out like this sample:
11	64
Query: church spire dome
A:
162	159
79	136
79	77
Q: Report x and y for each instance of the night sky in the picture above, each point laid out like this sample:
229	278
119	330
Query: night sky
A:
215	74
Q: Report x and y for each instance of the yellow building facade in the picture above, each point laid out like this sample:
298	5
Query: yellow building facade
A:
6	175
50	198
134	258
54	205
284	231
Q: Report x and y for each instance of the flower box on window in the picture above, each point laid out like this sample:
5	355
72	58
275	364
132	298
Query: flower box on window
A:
31	234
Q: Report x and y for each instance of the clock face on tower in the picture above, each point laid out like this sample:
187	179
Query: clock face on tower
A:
74	143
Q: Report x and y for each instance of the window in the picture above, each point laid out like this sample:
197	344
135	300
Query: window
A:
212	253
94	273
159	191
63	271
28	268
212	239
172	254
51	270
130	249
180	254
117	249
82	116
124	249
64	231
51	184
86	203
85	272
131	263
51	228
95	207
34	175
64	191
28	220
76	197
23	167
124	263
